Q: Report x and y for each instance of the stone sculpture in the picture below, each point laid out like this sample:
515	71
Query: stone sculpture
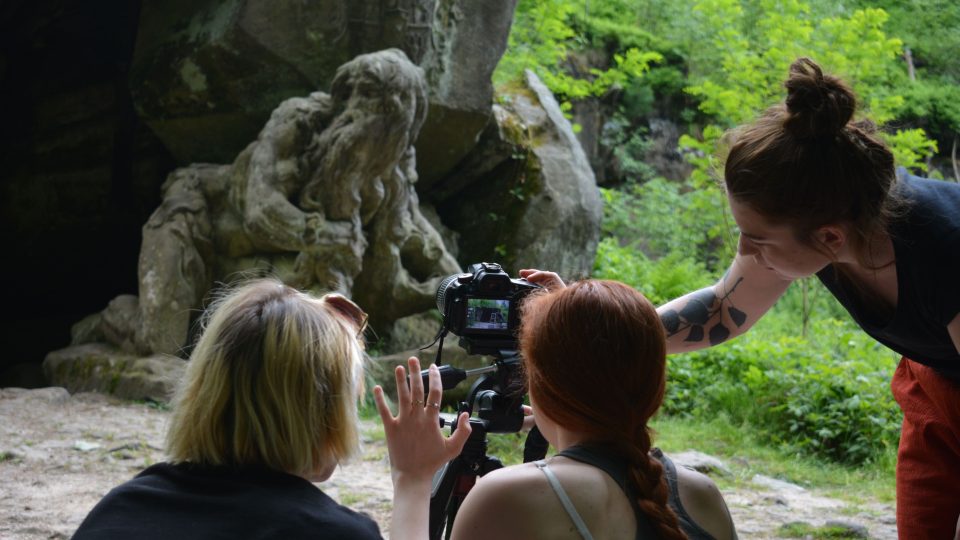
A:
324	199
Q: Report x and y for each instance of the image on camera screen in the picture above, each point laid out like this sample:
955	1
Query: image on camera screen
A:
487	314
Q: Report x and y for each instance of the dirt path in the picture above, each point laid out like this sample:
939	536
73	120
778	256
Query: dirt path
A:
60	454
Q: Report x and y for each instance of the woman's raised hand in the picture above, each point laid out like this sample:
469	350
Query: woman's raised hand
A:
416	445
546	279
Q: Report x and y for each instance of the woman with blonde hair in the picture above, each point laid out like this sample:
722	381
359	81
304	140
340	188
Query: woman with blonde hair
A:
268	405
594	357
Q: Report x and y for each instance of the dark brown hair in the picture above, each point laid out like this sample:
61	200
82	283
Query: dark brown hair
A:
806	163
595	362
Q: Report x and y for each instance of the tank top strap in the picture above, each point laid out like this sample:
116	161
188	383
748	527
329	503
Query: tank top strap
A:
689	526
616	468
613	465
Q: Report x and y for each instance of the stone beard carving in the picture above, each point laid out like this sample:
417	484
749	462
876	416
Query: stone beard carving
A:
324	199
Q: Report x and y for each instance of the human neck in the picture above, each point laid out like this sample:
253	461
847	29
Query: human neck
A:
567	438
875	254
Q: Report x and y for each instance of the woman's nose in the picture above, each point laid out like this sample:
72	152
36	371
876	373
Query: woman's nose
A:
746	247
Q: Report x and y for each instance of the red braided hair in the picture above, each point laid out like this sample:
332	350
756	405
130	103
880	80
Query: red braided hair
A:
595	358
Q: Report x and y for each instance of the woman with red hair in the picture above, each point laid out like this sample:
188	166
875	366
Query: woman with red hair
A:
594	355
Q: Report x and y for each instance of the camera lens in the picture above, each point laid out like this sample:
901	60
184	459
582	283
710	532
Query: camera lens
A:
448	282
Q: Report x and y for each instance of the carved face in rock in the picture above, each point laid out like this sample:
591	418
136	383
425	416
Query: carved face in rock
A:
387	88
379	103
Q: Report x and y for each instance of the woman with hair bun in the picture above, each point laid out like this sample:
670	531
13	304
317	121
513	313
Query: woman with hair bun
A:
816	193
594	360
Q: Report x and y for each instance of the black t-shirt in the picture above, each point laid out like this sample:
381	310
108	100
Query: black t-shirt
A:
927	245
187	501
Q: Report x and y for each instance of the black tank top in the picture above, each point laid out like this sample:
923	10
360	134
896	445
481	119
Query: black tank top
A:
617	468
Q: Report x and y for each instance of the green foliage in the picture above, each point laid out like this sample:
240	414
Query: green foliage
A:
756	49
826	396
799	529
933	104
629	148
751	49
930	28
659	280
911	148
542	38
661	217
539	39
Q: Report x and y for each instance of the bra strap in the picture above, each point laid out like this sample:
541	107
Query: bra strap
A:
564	500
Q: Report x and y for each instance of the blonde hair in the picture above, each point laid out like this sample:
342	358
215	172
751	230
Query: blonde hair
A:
274	380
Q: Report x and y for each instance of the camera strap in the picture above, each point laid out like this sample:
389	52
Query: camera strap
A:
439	337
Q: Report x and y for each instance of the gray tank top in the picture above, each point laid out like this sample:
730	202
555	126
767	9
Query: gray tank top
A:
616	467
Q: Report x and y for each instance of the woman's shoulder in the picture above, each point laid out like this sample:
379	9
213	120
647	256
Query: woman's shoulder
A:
509	486
502	504
526	506
703	502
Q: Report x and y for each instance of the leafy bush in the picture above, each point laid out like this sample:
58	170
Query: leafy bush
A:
661	217
659	280
827	395
541	39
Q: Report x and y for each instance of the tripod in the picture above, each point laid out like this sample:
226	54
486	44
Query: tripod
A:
496	412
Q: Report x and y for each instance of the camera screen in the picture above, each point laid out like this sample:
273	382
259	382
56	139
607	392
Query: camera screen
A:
487	314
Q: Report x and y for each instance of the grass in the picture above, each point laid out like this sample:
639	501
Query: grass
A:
162	406
349	498
746	458
804	530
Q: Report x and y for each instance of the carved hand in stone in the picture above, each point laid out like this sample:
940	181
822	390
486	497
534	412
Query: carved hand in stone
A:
322	234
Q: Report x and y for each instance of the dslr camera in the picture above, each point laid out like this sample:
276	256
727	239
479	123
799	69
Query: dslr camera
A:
481	306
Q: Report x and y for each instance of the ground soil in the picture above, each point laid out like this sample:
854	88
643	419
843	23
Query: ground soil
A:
59	454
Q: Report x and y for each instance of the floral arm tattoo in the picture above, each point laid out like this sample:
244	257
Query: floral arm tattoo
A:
701	307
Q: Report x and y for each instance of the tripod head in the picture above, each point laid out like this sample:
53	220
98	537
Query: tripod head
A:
495	404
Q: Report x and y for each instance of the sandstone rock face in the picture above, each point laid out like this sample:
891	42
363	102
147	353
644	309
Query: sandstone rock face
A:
206	74
468	40
526	197
103	368
323	199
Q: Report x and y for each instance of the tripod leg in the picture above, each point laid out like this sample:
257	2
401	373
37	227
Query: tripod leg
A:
444	483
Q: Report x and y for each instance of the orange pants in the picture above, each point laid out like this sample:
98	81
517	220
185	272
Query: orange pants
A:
928	461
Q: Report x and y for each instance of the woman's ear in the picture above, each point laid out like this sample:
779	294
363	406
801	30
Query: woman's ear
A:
832	236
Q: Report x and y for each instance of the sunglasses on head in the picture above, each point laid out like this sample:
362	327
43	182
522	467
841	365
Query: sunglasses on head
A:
349	310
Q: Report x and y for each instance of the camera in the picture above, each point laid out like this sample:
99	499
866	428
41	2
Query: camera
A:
481	306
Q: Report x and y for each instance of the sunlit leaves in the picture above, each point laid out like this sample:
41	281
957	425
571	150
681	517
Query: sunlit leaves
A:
911	148
541	39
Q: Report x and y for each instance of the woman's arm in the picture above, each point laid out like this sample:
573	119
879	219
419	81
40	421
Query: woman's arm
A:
704	503
711	315
724	310
417	448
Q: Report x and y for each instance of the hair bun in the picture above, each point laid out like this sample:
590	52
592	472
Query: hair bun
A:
818	105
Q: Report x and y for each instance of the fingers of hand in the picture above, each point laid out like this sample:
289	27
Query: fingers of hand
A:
459	437
416	382
436	389
378	397
403	391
